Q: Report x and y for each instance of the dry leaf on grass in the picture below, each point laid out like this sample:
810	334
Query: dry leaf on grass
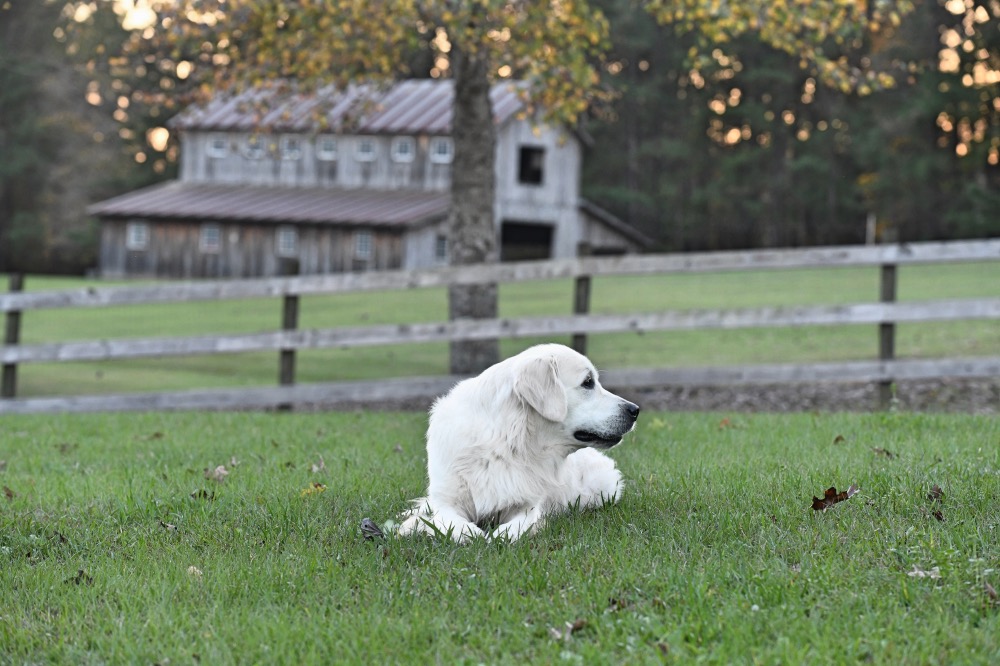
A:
218	474
567	631
879	451
312	489
370	530
194	572
920	573
936	494
990	592
81	578
831	497
10	494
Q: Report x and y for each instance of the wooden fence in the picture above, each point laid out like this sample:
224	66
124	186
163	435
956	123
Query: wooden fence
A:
885	314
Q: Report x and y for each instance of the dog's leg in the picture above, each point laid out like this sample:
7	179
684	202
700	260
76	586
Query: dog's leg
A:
589	480
422	519
522	523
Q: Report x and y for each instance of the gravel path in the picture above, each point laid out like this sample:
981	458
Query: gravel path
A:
968	396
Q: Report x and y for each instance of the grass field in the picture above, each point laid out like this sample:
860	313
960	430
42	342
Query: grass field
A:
115	547
613	294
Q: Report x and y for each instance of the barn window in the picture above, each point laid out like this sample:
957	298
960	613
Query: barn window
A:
441	249
291	148
254	147
403	149
365	149
363	245
288	242
326	148
442	150
531	165
210	239
218	146
136	235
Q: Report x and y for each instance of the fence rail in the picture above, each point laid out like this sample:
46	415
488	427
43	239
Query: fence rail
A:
287	341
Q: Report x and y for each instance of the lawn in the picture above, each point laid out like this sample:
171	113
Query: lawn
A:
116	548
610	295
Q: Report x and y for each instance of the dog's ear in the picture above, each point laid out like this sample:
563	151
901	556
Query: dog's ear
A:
536	383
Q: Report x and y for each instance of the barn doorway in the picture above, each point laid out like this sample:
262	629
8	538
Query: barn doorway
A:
525	241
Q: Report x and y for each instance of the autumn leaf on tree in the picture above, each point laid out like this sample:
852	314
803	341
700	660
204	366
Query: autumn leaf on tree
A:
831	497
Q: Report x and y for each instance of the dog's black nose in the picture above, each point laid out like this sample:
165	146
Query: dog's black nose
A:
632	409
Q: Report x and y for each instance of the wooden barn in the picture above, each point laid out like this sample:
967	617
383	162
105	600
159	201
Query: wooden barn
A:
345	181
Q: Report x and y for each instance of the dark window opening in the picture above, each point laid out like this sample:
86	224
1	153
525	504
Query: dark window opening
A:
531	165
525	241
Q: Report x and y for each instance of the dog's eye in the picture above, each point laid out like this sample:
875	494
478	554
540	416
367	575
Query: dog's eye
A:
588	383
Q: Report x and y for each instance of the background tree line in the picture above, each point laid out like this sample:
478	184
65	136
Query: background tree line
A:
716	137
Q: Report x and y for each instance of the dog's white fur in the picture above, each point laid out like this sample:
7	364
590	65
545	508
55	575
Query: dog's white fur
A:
517	443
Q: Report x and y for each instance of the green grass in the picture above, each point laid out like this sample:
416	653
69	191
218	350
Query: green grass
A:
610	295
713	555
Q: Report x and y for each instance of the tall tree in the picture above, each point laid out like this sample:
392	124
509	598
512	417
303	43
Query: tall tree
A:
56	151
550	45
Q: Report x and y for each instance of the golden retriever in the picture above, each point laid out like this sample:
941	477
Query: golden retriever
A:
519	442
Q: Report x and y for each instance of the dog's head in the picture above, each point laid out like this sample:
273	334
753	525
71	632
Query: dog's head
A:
562	386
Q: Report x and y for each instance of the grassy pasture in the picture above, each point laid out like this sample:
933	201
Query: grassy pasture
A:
115	548
610	295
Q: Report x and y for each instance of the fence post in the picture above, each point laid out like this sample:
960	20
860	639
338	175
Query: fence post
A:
886	332
289	322
581	298
12	336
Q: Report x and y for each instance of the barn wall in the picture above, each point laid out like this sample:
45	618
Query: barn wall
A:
307	169
246	251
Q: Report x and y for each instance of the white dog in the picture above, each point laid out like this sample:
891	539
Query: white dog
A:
517	443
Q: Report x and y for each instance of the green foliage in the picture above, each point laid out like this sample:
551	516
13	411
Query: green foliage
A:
746	147
115	547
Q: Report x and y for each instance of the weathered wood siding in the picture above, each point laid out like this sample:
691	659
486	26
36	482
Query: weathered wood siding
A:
556	200
247	250
308	169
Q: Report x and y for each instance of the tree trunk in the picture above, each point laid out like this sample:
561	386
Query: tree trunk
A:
471	229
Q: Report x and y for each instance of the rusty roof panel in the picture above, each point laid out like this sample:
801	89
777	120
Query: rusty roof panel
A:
416	106
177	200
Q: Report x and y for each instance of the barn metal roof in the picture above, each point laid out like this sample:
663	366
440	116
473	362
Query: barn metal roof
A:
302	205
416	106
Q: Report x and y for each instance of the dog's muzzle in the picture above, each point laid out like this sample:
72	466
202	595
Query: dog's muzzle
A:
605	440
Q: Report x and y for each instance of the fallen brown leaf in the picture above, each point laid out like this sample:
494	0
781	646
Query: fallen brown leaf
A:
831	497
990	592
370	530
10	494
839	439
567	631
312	489
218	474
936	494
920	573
81	578
879	451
